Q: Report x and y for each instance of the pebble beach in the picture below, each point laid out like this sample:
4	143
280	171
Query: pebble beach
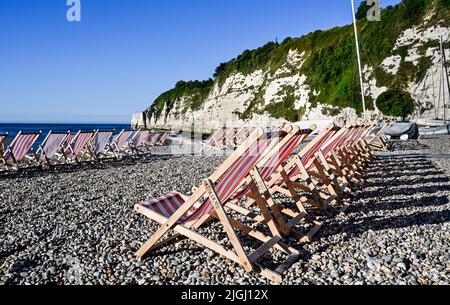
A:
76	225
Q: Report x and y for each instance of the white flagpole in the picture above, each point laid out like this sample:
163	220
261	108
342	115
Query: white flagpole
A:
359	61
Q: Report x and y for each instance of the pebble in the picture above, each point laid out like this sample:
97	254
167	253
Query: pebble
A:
79	227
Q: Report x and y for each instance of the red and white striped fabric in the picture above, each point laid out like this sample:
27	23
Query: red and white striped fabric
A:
218	138
122	140
80	143
276	159
337	141
20	146
167	205
154	138
140	138
225	187
51	145
309	155
164	138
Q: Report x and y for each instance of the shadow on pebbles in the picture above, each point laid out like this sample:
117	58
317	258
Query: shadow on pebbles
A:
78	227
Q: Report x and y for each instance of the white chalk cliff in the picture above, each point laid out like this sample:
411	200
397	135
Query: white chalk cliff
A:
229	99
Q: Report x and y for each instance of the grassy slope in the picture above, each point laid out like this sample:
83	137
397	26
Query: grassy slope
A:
331	63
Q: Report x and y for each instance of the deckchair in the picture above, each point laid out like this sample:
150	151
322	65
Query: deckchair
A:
271	165
354	155
137	143
120	143
152	139
337	158
100	144
48	150
300	166
377	139
14	156
216	141
243	134
230	137
78	147
3	138
185	215
335	179
163	140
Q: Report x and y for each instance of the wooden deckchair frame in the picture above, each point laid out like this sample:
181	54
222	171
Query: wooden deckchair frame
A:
163	139
10	150
78	158
98	156
351	156
296	217
41	149
214	143
306	180
206	190
378	142
131	143
115	149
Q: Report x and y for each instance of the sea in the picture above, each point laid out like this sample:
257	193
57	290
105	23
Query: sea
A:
13	129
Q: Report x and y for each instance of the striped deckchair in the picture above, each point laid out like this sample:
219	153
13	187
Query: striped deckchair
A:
48	150
216	141
230	137
100	144
377	139
78	148
351	157
153	139
120	143
243	134
335	164
185	215
298	174
163	140
137	143
271	165
14	156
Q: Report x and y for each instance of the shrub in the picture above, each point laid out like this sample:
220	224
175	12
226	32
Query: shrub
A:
396	102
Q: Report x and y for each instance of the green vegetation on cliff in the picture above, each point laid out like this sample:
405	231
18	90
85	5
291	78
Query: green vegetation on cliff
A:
330	64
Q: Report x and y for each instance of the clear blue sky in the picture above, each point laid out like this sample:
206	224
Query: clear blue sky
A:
124	53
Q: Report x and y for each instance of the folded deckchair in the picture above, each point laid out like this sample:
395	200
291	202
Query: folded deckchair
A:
217	140
14	156
100	144
120	143
47	153
185	215
78	148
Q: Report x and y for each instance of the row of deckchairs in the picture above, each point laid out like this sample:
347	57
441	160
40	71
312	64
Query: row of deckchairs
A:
241	195
65	148
227	138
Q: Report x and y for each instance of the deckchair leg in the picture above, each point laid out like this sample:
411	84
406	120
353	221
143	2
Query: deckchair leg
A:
245	262
171	222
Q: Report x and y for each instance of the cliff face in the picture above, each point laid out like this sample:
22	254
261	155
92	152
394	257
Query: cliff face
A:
314	77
